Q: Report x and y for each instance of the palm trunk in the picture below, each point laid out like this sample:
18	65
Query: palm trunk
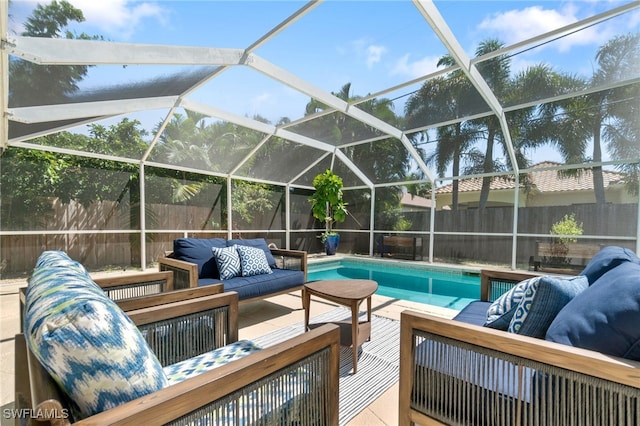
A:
456	182
487	168
598	178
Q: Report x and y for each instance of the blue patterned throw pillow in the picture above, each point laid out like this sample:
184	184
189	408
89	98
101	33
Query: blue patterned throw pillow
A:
541	303
84	340
260	243
502	309
253	261
228	261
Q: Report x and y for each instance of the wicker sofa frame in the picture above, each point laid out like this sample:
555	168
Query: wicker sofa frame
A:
452	372
222	389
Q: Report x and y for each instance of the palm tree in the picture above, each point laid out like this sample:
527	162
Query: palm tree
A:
379	161
598	116
496	72
529	127
623	135
445	98
189	140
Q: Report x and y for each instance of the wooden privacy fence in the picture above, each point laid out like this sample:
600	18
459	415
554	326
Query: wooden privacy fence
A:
116	242
604	221
122	249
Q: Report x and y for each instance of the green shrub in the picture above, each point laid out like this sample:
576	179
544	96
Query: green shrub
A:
560	245
567	226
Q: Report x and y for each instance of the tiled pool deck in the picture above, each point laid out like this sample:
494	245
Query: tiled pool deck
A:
256	319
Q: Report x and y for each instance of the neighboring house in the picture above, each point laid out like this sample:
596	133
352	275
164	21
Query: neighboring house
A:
549	189
414	203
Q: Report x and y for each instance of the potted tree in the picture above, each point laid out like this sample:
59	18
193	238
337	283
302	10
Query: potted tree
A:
560	245
328	206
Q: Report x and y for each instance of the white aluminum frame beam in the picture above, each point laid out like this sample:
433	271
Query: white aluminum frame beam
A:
293	81
439	26
45	113
355	169
58	51
240	120
272	130
284	24
4	76
67	151
254	124
156	137
249	155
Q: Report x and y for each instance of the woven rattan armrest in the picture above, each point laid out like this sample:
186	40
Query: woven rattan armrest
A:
180	308
494	282
115	281
169	297
180	330
119	287
291	259
185	274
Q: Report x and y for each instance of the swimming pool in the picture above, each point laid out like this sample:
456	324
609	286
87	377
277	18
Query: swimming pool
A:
445	287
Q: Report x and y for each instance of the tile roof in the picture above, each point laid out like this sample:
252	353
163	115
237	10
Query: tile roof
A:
544	180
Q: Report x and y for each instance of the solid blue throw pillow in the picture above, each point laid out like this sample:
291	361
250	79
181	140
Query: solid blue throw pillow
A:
198	251
606	259
605	317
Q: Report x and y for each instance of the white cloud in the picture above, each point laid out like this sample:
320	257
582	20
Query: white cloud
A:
119	17
415	69
374	55
364	50
518	25
521	64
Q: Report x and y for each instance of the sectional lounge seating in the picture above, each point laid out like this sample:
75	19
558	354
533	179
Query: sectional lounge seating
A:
194	264
83	360
565	351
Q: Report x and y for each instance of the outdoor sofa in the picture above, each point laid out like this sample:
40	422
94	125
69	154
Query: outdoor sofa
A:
83	360
582	368
194	264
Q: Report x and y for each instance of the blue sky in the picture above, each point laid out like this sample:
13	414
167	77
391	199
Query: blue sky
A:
371	44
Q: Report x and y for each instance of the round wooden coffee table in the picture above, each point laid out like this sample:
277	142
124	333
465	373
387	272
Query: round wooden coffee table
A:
349	293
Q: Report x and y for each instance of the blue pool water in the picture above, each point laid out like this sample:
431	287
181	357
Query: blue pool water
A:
452	288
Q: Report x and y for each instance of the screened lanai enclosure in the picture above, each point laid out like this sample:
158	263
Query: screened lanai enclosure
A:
480	130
